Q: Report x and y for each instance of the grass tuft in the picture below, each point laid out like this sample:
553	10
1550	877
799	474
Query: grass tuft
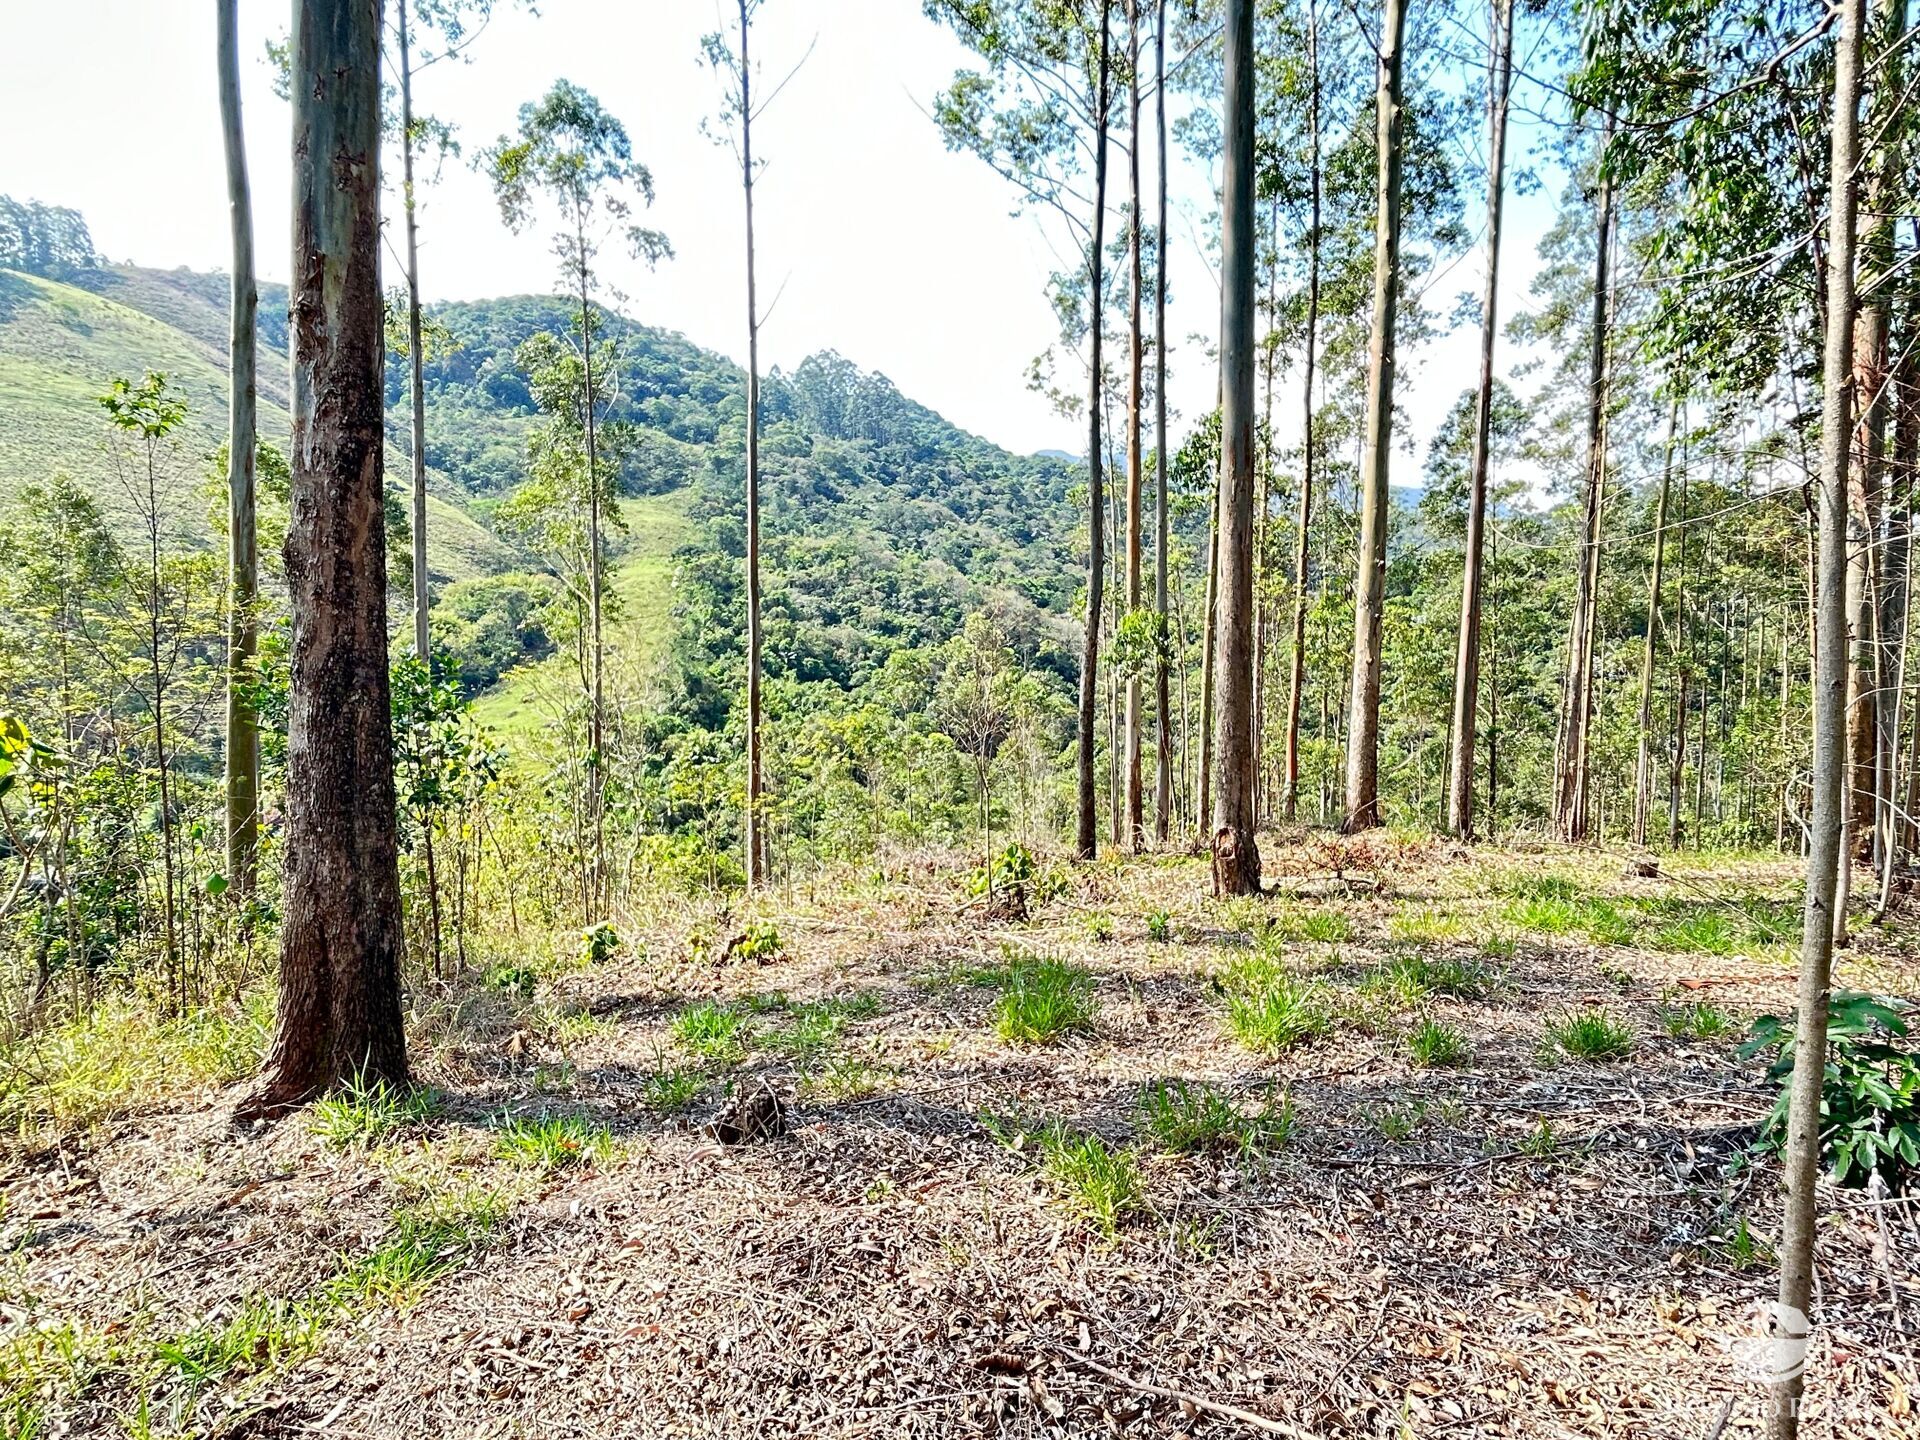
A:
1101	1182
1434	1043
712	1031
1042	999
1697	1020
363	1115
1590	1034
1269	1010
552	1143
1192	1117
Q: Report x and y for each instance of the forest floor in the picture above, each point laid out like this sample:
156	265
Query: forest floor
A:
962	1233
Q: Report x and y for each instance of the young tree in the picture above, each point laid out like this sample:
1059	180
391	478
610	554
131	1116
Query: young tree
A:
1827	853
1236	856
1572	754
1303	532
1039	114
577	155
1363	714
738	114
1466	671
1643	760
341	942
243	564
1163	765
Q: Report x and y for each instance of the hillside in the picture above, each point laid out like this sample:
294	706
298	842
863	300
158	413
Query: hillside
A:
883	523
62	341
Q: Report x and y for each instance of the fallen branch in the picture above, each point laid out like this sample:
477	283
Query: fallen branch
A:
1184	1397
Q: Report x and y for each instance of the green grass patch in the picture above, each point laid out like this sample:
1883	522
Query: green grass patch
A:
1192	1117
1270	1010
1589	1034
1042	999
552	1143
1697	1020
1099	1182
666	1091
712	1031
1426	925
1435	1043
363	1115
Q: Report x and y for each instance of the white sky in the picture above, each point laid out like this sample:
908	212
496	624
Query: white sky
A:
877	242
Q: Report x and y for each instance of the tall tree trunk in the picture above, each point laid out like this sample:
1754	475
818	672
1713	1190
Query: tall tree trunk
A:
1802	1160
1466	670
597	700
416	361
1163	759
1209	648
1297	652
243	559
1643	760
1136	816
756	759
1570	819
1369	608
1086	830
1236	856
341	941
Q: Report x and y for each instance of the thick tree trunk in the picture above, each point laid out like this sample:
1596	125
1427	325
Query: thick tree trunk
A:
1236	856
1802	1160
1136	808
1369	609
756	760
416	361
243	560
1086	829
1570	817
1643	760
1466	670
339	1011
1163	759
1297	651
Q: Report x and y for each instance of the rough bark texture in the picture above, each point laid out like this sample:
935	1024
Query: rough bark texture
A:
1466	670
1086	830
1209	646
1369	608
1163	759
1570	818
1826	857
1236	856
1136	810
341	943
243	561
422	585
1297	652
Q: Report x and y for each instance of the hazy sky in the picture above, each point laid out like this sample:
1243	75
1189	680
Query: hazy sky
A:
873	240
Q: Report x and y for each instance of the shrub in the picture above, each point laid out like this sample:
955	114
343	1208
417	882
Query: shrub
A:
599	943
1870	1095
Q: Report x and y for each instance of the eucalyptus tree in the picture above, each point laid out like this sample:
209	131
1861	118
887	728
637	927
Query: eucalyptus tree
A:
575	156
1163	767
738	112
341	939
1136	826
1466	673
1236	856
1363	722
1038	112
243	559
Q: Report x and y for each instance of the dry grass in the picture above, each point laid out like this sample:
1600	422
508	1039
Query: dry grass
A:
963	1236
